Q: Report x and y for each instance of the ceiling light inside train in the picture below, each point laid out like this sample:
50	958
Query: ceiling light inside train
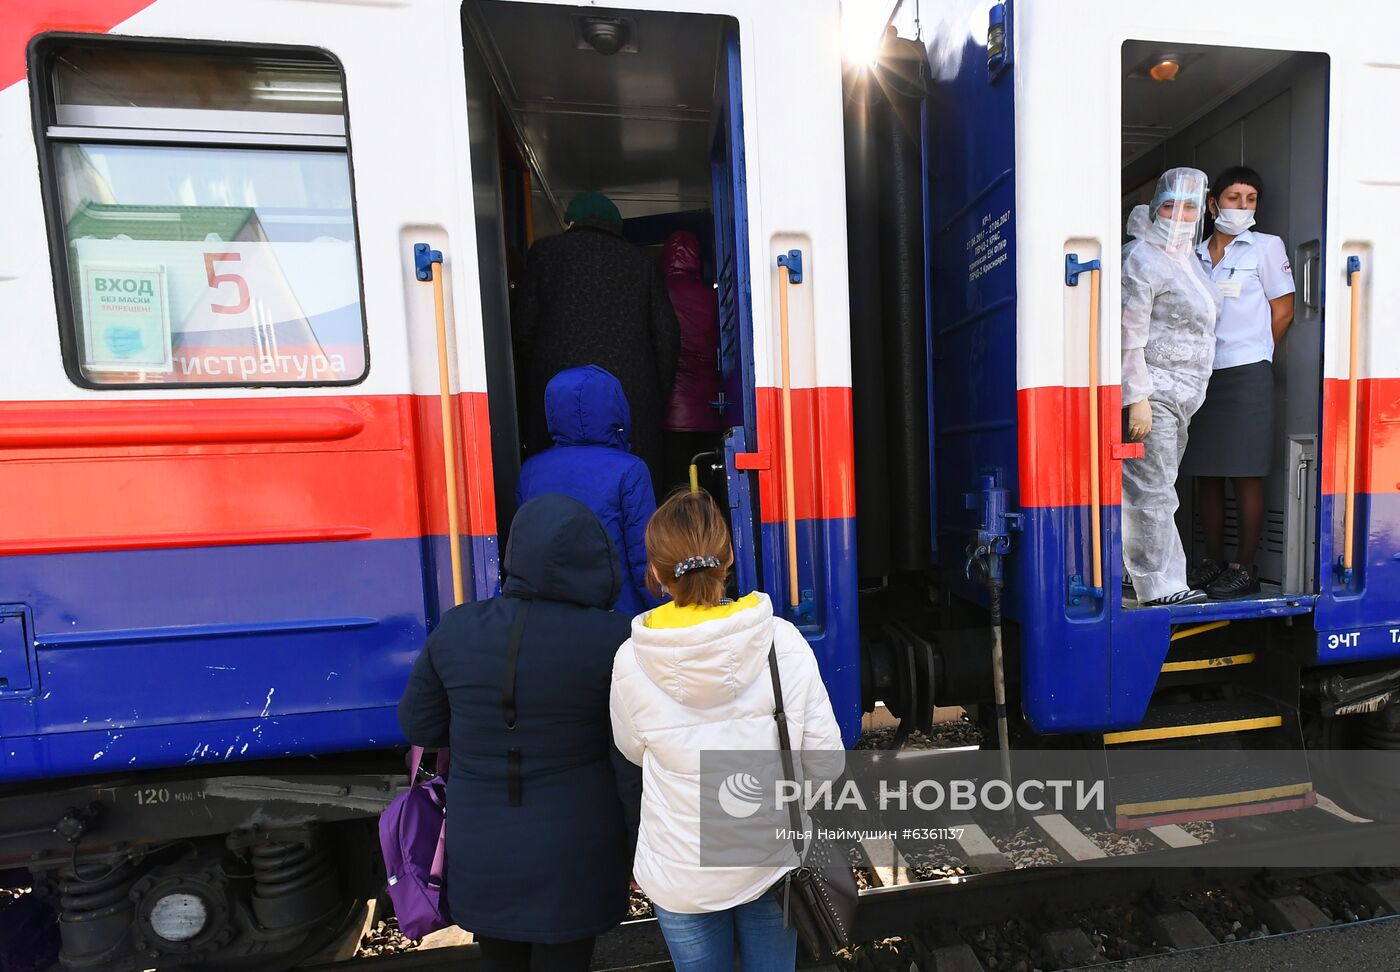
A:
1165	70
606	35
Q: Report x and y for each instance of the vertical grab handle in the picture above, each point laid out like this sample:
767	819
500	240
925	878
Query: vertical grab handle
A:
789	273
1349	518
1095	500
428	266
1073	268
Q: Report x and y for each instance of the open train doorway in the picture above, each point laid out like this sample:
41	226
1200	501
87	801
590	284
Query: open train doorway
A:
1217	109
643	107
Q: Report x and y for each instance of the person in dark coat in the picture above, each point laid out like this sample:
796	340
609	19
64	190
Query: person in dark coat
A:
542	817
590	461
692	423
590	297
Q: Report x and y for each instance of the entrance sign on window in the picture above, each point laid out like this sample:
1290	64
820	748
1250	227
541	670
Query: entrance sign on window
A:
127	318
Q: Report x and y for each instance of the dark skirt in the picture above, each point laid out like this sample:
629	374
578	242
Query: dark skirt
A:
1232	433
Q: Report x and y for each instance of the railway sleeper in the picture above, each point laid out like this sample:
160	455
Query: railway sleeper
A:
1069	947
1383	895
1286	911
1181	930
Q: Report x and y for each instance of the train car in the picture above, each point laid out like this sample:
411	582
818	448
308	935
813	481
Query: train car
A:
225	457
222	450
1046	124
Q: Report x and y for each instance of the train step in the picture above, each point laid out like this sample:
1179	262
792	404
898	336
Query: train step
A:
1214	658
1192	720
1271	605
1205	657
1231	783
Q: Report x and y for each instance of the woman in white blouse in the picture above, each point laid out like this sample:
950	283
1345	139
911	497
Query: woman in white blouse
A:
1232	434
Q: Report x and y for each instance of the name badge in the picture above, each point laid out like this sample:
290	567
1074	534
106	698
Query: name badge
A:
1228	288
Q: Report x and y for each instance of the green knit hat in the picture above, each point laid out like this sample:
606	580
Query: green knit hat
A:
592	204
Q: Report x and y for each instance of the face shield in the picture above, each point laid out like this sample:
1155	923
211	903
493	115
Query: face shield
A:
1178	208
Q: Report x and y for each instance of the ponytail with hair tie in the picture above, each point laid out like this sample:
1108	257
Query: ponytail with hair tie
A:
696	563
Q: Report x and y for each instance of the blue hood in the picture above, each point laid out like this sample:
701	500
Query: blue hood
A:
586	406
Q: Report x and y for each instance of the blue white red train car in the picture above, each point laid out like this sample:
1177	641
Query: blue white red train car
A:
221	451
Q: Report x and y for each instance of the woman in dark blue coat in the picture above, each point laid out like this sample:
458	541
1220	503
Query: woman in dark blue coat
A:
542	808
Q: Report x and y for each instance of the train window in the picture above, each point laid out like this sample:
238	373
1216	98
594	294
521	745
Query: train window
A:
202	213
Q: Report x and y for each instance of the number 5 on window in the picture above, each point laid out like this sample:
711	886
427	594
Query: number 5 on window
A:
217	280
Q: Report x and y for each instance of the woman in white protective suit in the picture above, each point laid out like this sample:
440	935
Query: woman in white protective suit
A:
1169	310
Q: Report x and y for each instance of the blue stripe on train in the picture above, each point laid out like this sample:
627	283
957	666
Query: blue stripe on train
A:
1092	666
246	650
833	631
1360	619
150	658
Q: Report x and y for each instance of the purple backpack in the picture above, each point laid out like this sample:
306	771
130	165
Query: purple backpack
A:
413	839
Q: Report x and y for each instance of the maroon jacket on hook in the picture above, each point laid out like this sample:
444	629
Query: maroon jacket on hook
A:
697	311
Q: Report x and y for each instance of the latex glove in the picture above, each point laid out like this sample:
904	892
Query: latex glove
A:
1139	420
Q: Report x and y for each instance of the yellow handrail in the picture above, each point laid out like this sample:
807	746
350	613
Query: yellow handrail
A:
449	437
1073	268
1349	518
1095	501
789	487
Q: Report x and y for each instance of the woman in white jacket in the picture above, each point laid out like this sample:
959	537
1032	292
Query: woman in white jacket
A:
694	677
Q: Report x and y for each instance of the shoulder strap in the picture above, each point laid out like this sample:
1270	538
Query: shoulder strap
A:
517	628
785	746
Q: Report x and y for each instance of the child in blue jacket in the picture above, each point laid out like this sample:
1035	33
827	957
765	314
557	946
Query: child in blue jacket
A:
589	421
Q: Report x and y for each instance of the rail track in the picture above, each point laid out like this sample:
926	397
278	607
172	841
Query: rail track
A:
1051	911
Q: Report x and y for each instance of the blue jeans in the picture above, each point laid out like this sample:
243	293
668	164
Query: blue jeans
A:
708	942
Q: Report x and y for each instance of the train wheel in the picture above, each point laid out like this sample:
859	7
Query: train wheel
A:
1331	740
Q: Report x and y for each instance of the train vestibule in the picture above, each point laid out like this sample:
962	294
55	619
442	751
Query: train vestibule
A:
656	110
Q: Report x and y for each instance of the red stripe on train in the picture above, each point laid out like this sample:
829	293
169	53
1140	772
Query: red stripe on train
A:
823	454
1055	456
20	20
1377	435
1054	445
77	476
137	474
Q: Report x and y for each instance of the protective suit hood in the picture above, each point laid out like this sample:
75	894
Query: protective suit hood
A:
1174	218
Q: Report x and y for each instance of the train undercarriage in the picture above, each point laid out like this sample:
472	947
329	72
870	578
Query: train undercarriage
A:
262	867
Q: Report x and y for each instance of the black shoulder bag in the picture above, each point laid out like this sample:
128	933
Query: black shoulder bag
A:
819	895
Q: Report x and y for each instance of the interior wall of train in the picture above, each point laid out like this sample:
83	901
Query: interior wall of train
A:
564	100
1266	109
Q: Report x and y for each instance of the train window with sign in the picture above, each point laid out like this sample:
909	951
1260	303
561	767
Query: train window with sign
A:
202	215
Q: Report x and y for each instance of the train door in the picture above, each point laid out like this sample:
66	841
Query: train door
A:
649	107
644	107
735	309
1266	110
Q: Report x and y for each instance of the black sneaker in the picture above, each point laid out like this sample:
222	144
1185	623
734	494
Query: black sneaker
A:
1234	582
1190	596
1204	574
